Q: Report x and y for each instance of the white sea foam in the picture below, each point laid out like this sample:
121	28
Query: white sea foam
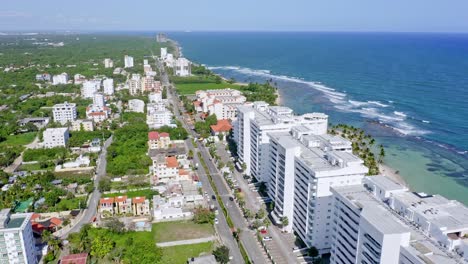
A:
425	121
370	109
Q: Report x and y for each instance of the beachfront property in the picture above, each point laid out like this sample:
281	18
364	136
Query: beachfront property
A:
55	137
89	88
60	79
108	63
300	173
136	105
82	125
158	140
16	238
128	61
64	113
253	124
371	225
223	102
182	67
108	86
135	84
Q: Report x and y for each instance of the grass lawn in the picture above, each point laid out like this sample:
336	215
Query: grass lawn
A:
31	167
180	254
147	193
191	88
20	139
180	230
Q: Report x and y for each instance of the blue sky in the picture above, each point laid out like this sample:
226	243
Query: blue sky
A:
219	15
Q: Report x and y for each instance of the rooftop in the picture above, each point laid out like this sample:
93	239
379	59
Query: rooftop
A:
385	183
222	126
75	259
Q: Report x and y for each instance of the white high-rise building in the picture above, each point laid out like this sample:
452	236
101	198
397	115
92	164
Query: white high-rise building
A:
108	86
108	63
89	88
16	238
381	221
163	53
64	113
255	121
182	67
56	137
128	61
60	79
98	100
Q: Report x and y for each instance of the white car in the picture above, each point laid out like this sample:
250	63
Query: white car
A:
216	221
267	238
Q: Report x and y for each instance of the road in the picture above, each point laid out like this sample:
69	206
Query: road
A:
93	200
247	237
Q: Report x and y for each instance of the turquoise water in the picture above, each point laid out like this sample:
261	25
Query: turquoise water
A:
408	90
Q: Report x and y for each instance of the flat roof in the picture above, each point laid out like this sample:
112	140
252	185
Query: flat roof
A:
385	183
15	222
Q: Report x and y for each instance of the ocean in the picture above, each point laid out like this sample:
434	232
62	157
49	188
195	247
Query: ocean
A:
408	90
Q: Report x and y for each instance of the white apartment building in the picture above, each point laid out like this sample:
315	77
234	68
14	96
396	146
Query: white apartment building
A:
155	97
64	113
135	84
369	227
17	244
82	124
128	61
163	53
56	137
223	102
256	121
79	79
60	79
170	61
108	86
97	114
98	100
108	63
182	67
136	105
165	169
89	88
157	115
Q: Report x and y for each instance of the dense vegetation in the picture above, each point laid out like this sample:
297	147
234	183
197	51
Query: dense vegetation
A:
45	154
127	153
363	145
203	128
110	246
175	133
78	138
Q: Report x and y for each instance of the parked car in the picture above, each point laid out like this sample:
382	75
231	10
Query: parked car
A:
213	197
267	238
216	221
231	198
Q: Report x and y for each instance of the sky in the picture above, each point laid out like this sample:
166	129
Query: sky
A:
236	15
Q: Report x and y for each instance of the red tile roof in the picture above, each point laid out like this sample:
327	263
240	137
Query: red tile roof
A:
75	259
97	114
106	200
197	103
34	217
120	199
222	126
171	162
138	199
164	134
56	221
153	135
183	172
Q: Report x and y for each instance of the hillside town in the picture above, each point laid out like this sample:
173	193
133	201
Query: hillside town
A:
147	150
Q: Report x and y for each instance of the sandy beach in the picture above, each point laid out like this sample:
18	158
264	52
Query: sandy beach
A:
392	174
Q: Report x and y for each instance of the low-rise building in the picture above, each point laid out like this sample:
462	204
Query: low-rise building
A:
222	127
44	77
136	105
97	114
56	137
141	206
158	140
158	116
82	125
123	205
60	79
155	96
106	206
64	113
79	79
222	102
165	169
169	209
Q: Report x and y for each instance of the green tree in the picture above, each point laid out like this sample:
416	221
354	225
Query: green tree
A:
313	252
284	221
101	246
104	185
260	214
221	254
202	215
115	225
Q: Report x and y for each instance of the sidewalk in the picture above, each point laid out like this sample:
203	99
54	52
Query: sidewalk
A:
186	242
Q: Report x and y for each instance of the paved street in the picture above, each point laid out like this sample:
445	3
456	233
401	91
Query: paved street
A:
93	200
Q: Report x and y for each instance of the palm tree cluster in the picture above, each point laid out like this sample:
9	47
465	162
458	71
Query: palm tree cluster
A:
362	145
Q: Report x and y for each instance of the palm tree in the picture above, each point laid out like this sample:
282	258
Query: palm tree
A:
382	153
